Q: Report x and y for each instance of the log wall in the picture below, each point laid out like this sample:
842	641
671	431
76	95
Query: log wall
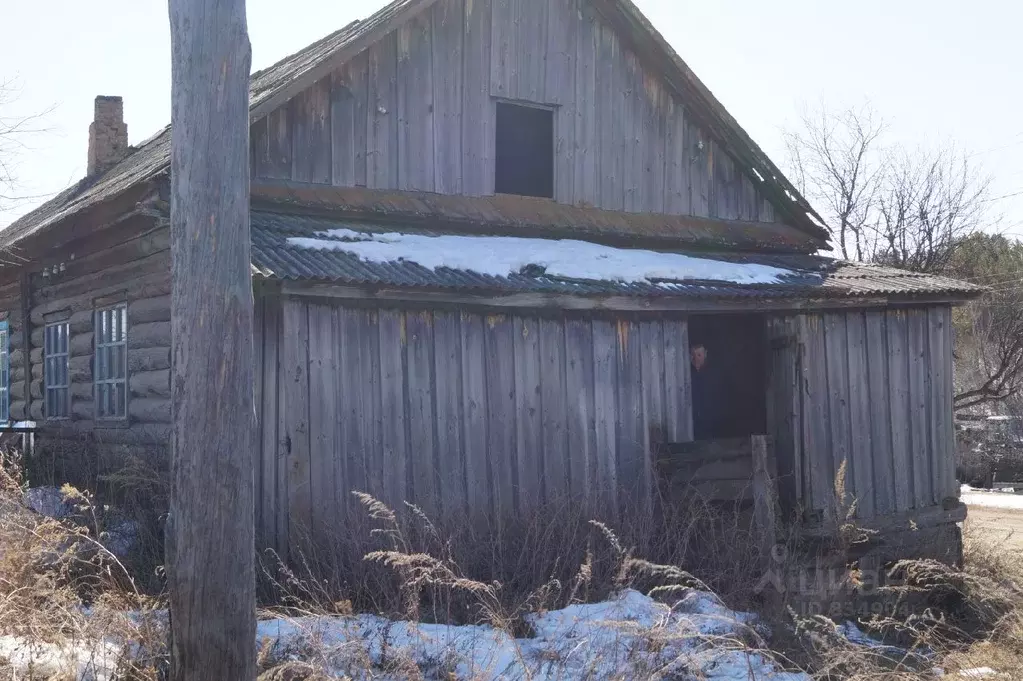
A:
417	110
127	263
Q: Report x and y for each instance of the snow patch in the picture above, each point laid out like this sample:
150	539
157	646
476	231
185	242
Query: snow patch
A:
500	256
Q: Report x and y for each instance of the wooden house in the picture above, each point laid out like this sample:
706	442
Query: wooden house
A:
484	235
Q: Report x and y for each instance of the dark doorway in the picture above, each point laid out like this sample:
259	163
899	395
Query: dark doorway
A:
730	388
525	151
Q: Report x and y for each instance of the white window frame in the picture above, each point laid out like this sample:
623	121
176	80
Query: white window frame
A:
110	362
57	371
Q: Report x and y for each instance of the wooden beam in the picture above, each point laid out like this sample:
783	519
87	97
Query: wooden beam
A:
566	302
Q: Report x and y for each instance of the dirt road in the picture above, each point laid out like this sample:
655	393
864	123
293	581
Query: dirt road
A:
1002	525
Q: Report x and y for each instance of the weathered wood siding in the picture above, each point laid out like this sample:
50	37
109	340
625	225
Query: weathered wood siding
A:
873	390
12	311
127	263
462	413
416	111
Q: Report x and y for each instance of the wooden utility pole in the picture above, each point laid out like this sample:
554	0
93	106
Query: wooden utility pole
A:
210	533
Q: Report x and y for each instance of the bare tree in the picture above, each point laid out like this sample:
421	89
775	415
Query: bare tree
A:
836	160
210	533
883	203
14	132
926	205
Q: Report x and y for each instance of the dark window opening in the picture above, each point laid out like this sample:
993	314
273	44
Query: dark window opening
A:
525	151
729	389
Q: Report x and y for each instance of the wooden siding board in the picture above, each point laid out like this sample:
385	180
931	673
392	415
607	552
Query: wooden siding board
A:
859	415
370	414
295	398
676	161
580	409
501	447
605	413
279	152
528	413
447	43
586	157
519	30
701	168
342	129
940	418
270	502
358	70
837	350
631	133
421	415
382	115
395	447
477	109
610	83
553	403
415	110
474	414
447	339
881	421
351	392
633	461
322	418
311	134
897	328
923	489
560	89
818	467
677	397
651	335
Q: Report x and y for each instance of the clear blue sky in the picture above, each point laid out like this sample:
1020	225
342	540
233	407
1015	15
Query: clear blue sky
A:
939	70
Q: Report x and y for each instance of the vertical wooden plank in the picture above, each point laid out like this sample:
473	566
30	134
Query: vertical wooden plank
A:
352	462
528	441
580	410
919	429
654	136
358	71
501	448
382	121
897	331
605	413
764	499
859	415
725	189
259	348
502	46
447	340
749	199
676	160
587	111
415	104
322	420
632	131
278	155
947	406
273	502
818	463
837	358
701	169
633	440
651	336
448	34
295	399
783	407
311	128
342	129
611	101
392	341
677	395
559	81
942	438
421	416
552	396
474	415
766	210
519	30
880	412
477	108
259	149
371	400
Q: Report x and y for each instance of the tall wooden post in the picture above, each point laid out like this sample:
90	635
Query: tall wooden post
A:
210	534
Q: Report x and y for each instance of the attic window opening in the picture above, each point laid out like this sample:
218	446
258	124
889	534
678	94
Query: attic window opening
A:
525	151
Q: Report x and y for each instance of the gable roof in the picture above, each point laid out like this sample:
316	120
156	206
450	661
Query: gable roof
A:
271	87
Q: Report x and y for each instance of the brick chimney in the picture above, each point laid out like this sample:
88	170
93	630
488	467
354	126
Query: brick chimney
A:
108	135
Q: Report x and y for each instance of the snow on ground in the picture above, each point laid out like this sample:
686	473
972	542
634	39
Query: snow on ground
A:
500	256
990	498
632	634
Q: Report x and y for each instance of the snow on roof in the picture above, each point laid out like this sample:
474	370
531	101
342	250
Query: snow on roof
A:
500	256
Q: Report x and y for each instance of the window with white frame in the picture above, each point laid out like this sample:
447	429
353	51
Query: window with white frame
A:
5	374
110	366
56	393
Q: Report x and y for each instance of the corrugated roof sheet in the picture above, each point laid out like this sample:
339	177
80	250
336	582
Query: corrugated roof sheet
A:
812	276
